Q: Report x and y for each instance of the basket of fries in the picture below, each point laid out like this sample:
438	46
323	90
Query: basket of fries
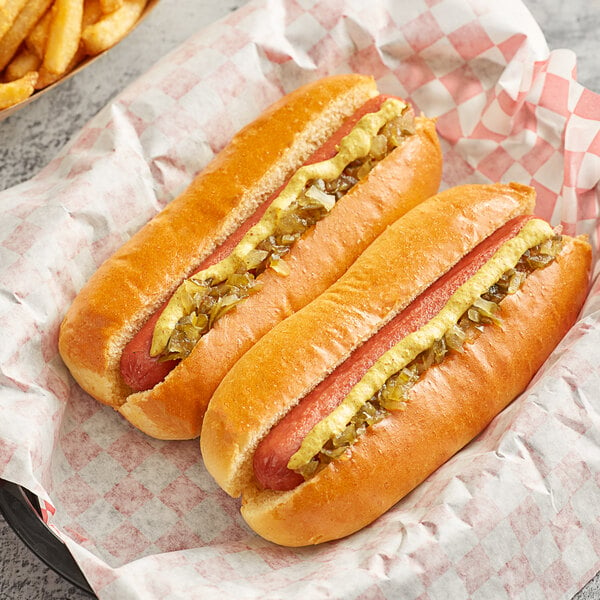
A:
42	42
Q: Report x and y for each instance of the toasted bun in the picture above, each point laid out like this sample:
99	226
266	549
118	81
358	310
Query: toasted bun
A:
289	361
131	285
175	407
453	403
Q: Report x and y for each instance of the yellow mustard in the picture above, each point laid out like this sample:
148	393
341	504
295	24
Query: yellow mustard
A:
353	146
394	360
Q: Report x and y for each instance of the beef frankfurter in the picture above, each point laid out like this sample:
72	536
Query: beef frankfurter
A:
345	407
271	222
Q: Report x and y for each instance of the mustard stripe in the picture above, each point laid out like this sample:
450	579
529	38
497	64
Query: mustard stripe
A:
394	360
353	146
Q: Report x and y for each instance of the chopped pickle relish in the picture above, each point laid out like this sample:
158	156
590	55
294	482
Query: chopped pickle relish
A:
310	194
329	441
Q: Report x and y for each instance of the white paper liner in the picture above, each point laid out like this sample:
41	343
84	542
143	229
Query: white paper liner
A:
516	513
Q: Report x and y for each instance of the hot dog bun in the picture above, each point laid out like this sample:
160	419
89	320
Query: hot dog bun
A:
131	285
445	410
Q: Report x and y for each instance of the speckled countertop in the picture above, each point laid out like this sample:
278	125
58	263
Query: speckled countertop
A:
31	138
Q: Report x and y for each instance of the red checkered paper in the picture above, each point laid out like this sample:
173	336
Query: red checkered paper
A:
514	514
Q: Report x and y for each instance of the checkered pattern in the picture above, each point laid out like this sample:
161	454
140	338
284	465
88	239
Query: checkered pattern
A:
515	514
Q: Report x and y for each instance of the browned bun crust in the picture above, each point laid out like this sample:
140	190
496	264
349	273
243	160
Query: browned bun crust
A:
452	404
175	407
290	360
131	285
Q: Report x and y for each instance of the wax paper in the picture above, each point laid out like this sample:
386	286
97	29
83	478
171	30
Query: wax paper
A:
514	514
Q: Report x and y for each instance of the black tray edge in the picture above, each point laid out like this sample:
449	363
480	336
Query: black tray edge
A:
20	509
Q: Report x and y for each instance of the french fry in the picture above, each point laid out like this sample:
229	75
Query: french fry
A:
113	27
47	78
38	37
24	23
23	62
64	35
9	9
110	6
16	91
92	12
45	40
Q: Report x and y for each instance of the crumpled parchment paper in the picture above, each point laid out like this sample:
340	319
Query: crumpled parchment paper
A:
515	514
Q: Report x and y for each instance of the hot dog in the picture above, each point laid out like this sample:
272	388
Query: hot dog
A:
276	218
139	368
405	359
